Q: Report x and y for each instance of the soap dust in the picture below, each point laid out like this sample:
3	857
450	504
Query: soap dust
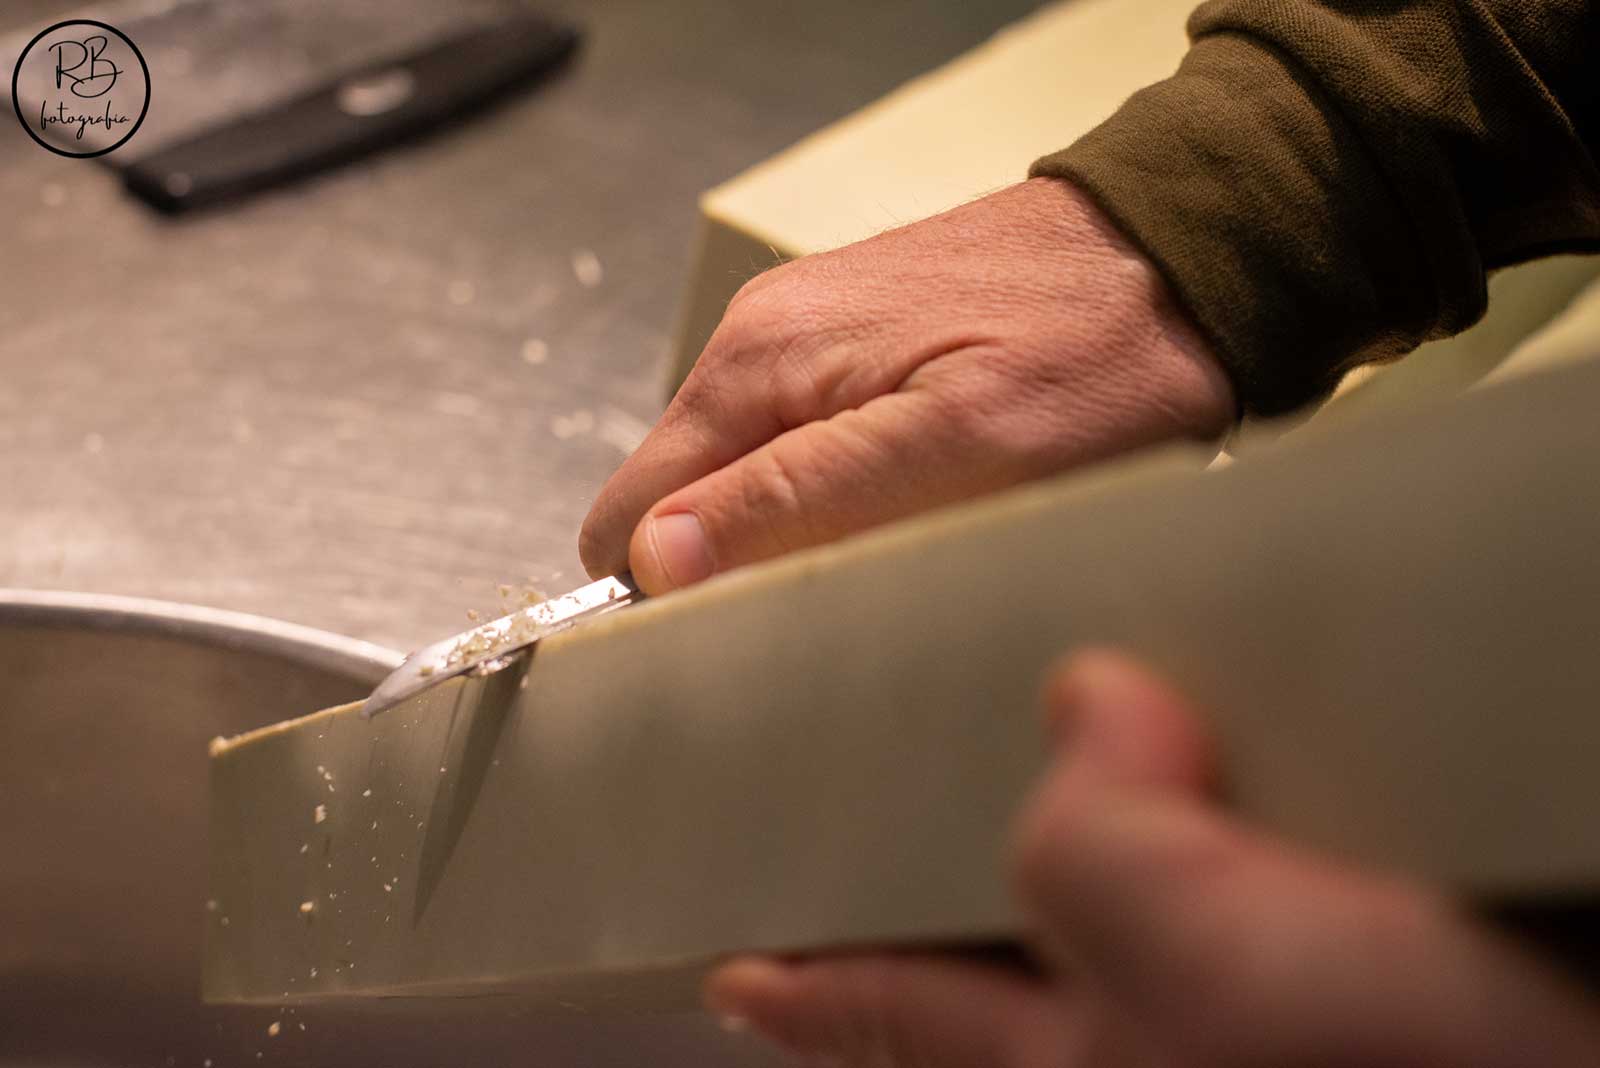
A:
587	269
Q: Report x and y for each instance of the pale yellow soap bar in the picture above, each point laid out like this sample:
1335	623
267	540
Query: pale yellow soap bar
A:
1393	622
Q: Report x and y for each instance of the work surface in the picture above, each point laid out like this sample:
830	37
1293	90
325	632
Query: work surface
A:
363	402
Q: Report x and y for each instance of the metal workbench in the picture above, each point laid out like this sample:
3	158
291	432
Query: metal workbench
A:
364	401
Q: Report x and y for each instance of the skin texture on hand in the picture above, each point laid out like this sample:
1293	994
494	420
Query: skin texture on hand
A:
1173	937
1006	340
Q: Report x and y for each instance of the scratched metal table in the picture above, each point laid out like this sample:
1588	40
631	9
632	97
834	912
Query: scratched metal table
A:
364	402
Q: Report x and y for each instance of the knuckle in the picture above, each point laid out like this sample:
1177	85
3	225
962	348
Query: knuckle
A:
777	495
764	508
750	292
760	302
798	390
779	483
771	337
972	409
1009	412
745	338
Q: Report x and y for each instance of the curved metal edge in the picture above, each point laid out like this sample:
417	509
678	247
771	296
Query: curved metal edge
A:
358	660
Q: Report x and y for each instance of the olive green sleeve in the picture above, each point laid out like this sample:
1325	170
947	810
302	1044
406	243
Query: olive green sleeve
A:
1326	182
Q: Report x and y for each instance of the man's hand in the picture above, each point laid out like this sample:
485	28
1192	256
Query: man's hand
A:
1174	937
1005	340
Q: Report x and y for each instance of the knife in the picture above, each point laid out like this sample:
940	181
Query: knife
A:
489	647
381	104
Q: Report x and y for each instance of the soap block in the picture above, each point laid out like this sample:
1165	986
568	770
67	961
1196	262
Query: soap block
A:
1390	624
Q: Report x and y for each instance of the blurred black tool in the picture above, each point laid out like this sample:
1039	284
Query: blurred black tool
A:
226	136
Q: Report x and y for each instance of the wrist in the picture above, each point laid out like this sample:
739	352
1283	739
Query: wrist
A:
1181	386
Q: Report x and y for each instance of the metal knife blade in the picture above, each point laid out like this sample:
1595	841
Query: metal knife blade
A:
489	647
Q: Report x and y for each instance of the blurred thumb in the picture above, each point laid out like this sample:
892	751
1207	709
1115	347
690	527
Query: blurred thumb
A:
1242	950
906	1011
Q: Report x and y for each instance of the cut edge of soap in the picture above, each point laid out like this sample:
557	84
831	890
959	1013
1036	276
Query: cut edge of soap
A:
221	745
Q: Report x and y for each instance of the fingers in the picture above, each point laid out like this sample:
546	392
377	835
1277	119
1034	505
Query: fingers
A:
924	1011
1026	301
890	458
1239	950
770	366
702	429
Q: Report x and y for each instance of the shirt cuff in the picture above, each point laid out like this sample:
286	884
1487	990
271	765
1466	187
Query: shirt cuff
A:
1266	215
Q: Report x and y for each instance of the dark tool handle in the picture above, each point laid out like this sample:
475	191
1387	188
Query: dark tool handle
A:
361	113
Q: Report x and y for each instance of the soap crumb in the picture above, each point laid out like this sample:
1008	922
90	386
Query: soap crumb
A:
570	426
212	906
586	267
305	847
367	792
313	971
319	813
273	1028
464	405
307	907
388	888
224	921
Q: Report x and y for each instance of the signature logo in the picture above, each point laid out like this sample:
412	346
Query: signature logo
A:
81	88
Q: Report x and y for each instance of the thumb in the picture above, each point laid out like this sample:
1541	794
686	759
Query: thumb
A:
892	457
905	1010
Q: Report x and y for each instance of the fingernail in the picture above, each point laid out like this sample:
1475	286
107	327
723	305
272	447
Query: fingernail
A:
680	546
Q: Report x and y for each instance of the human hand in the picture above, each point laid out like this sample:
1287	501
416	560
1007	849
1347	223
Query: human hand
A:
1173	936
1003	341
